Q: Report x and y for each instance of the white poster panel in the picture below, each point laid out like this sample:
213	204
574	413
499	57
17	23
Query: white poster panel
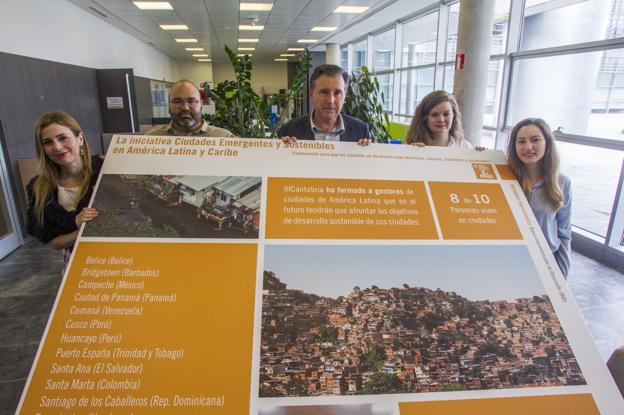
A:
248	276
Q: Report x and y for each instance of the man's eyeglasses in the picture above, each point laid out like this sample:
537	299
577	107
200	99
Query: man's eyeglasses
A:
178	102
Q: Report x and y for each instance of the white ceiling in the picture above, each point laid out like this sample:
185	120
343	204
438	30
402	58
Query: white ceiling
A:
214	23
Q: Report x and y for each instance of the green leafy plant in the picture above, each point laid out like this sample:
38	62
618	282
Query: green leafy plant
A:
305	63
364	100
243	112
237	107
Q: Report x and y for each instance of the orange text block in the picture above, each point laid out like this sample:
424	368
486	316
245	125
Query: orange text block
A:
473	211
348	209
577	404
150	328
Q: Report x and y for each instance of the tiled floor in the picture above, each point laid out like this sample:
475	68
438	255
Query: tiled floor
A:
599	294
29	281
30	277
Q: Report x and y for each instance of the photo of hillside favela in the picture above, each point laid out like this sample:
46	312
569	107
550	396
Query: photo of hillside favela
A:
176	207
360	320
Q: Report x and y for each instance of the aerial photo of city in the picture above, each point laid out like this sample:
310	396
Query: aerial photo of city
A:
360	320
167	206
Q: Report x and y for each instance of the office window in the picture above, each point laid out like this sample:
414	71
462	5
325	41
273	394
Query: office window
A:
500	26
402	119
488	139
499	29
577	92
608	96
555	23
419	40
344	58
415	84
449	76
594	173
492	94
359	55
383	50
385	88
573	93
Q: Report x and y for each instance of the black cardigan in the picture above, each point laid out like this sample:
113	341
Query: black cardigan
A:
56	220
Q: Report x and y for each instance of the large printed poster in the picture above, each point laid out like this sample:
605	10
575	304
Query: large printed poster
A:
238	276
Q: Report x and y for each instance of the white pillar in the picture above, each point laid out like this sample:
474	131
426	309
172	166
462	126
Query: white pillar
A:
470	85
332	54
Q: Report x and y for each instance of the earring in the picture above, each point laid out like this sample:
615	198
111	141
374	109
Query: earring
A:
82	150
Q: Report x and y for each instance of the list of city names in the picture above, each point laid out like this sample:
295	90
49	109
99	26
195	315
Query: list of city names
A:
112	292
134	329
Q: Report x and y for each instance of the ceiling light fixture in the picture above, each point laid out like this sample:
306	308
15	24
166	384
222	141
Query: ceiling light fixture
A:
200	55
250	27
287	54
246	48
153	5
204	60
186	40
351	9
174	27
244	54
323	29
280	60
307	41
256	7
193	49
248	40
296	49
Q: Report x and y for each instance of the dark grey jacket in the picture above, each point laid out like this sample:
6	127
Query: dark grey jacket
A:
301	128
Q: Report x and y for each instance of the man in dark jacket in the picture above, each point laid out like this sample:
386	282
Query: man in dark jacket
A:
328	88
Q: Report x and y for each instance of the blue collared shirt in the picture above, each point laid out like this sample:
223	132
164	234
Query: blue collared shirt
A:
556	226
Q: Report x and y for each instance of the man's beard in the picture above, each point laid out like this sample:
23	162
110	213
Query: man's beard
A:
186	123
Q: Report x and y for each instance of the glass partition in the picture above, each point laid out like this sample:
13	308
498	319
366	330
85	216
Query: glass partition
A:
383	50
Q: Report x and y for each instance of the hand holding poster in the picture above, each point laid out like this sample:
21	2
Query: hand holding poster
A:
243	276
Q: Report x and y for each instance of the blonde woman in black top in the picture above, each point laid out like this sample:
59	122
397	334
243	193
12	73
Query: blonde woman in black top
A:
58	196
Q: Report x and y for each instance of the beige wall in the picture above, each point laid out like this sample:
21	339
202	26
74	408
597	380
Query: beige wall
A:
197	72
267	78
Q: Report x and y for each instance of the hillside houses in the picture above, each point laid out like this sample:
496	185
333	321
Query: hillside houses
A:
428	340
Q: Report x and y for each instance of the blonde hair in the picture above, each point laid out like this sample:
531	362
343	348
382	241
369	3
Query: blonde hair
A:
419	132
48	171
549	164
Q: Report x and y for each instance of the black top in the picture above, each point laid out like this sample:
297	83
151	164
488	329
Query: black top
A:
56	220
301	128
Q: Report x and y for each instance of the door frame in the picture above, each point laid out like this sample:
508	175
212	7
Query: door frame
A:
13	239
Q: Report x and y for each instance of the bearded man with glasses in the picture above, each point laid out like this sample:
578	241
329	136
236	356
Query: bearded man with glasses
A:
185	109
